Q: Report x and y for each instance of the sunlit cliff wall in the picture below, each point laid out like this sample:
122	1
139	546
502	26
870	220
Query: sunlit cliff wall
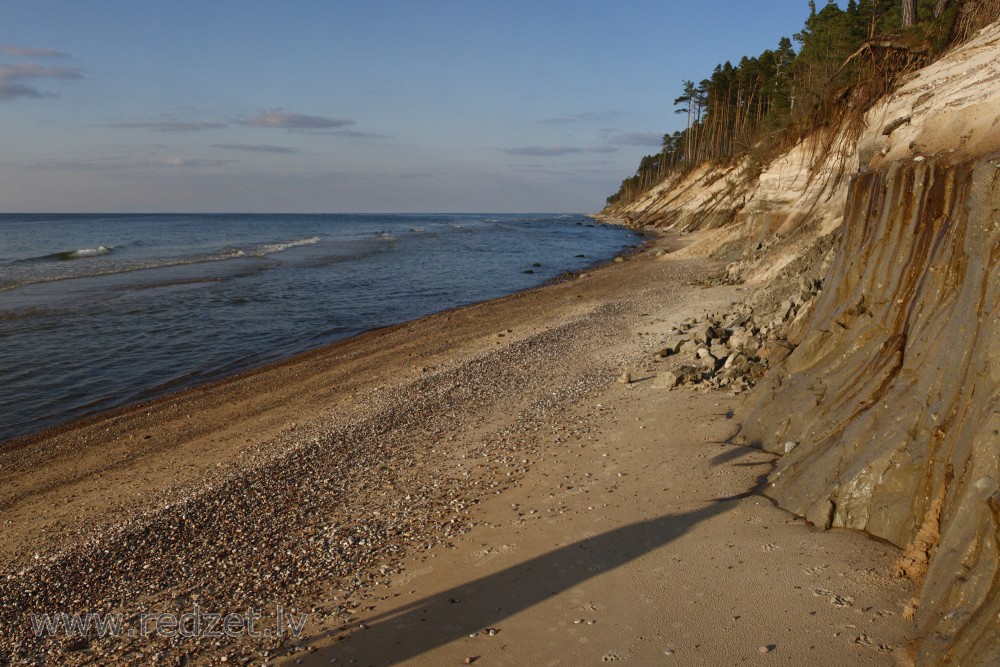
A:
887	412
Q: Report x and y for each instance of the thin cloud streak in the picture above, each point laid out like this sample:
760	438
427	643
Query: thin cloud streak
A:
27	71
587	116
350	134
10	91
28	52
168	126
279	118
257	148
555	151
542	151
14	76
119	164
639	139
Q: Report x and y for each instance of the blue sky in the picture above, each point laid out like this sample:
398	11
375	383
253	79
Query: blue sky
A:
333	106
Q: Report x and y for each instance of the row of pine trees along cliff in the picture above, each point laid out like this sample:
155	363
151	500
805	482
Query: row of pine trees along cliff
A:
772	101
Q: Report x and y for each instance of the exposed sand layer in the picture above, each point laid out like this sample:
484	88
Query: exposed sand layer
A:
891	395
485	455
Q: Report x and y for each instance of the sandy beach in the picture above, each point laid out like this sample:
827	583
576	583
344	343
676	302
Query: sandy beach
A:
477	486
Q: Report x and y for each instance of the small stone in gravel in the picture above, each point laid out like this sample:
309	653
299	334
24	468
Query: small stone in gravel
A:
765	649
471	659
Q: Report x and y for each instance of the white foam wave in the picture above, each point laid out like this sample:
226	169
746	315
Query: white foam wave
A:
271	248
88	252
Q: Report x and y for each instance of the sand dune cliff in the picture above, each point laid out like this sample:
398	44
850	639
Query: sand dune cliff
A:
886	411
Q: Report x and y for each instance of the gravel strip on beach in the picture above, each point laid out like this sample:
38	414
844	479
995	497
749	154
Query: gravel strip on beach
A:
330	499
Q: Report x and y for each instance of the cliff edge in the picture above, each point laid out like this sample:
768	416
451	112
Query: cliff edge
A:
872	254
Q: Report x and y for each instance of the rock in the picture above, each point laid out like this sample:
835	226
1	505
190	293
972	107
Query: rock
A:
708	363
786	310
743	340
689	346
704	333
689	374
895	125
703	352
673	346
720	351
790	445
666	380
625	378
737	364
774	352
821	515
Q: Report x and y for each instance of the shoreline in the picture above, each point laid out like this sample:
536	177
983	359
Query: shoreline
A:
137	396
343	471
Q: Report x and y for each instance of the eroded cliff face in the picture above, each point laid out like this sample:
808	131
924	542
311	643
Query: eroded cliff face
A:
887	412
892	393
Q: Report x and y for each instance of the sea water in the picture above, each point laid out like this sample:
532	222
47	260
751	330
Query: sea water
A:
98	311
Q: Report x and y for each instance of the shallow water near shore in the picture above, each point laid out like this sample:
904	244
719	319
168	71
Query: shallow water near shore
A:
98	311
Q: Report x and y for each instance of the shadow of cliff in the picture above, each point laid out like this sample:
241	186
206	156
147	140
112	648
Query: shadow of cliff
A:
439	619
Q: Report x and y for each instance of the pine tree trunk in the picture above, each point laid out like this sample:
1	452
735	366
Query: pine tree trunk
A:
909	13
939	7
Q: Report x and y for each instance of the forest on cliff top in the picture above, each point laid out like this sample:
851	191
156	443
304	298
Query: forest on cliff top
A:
841	62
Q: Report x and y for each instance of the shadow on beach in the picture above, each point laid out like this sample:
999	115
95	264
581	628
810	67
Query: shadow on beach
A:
475	606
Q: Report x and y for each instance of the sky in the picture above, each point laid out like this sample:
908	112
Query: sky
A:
333	106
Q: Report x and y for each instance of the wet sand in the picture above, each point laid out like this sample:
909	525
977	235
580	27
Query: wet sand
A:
479	468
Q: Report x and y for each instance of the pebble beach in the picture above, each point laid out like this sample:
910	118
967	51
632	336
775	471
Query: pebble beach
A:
503	483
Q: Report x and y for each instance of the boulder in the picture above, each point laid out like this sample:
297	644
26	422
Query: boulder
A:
667	380
704	333
737	364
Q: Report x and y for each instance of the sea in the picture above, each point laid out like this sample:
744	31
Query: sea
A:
99	311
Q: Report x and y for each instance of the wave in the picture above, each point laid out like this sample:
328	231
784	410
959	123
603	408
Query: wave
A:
12	281
80	254
271	248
